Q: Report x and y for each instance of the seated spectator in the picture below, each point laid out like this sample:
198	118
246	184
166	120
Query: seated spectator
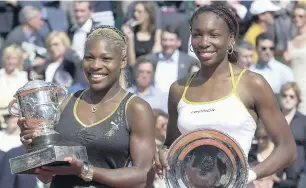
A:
64	68
9	180
245	54
10	136
11	76
161	121
144	76
84	23
263	19
172	64
272	70
265	147
290	97
142	36
31	22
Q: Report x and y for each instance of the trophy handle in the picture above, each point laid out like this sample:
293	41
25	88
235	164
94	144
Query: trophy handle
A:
62	89
10	106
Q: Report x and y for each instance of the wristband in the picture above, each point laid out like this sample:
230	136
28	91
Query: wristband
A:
252	176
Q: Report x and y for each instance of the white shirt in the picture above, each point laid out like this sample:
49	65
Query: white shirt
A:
79	37
50	71
166	71
8	142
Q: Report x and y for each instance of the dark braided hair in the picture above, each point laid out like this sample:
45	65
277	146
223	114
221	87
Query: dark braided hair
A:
229	18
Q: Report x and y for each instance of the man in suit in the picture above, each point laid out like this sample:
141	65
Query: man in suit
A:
172	64
79	31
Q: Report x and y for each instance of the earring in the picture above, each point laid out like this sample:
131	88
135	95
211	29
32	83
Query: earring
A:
231	50
190	48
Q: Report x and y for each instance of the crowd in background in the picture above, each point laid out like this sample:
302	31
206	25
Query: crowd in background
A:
48	39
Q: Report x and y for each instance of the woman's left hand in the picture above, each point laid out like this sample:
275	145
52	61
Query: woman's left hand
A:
75	167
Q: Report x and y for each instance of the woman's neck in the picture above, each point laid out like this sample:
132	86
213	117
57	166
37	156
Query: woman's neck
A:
103	95
210	71
302	30
9	72
144	27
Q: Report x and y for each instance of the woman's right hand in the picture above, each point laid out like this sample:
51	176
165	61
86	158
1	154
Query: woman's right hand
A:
161	163
128	32
27	133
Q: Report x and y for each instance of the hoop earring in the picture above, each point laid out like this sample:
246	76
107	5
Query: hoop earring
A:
190	48
231	50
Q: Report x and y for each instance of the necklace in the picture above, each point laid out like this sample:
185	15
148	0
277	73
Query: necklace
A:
95	107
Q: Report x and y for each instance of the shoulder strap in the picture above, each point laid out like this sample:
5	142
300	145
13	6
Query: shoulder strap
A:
67	99
189	80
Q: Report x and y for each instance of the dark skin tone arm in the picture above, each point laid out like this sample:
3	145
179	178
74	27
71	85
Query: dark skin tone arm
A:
264	100
260	97
142	149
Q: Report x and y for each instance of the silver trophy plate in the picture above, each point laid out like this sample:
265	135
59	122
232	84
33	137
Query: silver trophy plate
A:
206	158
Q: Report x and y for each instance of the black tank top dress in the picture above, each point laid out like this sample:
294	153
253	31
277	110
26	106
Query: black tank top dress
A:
107	141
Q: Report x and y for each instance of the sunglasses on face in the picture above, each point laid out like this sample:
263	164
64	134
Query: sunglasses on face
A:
267	48
290	96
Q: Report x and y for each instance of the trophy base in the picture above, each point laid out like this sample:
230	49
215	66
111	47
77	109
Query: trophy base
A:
50	156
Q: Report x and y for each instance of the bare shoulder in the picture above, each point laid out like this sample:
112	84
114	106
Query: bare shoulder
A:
256	81
137	105
177	89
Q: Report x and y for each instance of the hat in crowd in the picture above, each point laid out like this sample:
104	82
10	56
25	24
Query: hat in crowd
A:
262	6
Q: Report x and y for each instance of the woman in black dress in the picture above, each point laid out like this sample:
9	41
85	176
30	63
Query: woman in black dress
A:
104	118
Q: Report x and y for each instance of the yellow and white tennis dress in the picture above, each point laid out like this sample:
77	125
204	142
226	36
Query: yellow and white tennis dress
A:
228	115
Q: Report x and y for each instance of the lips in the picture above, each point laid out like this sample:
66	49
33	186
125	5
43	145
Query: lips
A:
96	77
206	55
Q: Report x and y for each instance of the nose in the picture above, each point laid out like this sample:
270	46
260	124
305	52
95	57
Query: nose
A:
204	43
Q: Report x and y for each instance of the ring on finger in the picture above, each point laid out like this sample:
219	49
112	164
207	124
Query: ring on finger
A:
22	139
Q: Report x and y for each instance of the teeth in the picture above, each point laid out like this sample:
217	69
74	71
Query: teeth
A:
97	76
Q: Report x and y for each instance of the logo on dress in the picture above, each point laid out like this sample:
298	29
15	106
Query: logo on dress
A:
203	110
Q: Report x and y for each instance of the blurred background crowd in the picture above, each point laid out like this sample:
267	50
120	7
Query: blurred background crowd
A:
47	38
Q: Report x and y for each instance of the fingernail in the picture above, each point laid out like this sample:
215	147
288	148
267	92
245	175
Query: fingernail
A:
34	134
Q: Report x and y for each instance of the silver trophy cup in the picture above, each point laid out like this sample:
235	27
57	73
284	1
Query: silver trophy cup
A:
38	103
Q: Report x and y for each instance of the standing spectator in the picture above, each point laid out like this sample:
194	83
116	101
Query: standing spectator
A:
84	24
144	88
272	70
295	55
31	22
245	54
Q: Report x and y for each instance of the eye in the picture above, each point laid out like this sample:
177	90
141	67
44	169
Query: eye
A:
214	35
107	59
88	58
195	35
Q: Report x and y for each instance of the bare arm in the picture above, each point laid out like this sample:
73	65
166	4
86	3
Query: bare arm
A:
157	41
173	132
129	33
142	149
284	153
